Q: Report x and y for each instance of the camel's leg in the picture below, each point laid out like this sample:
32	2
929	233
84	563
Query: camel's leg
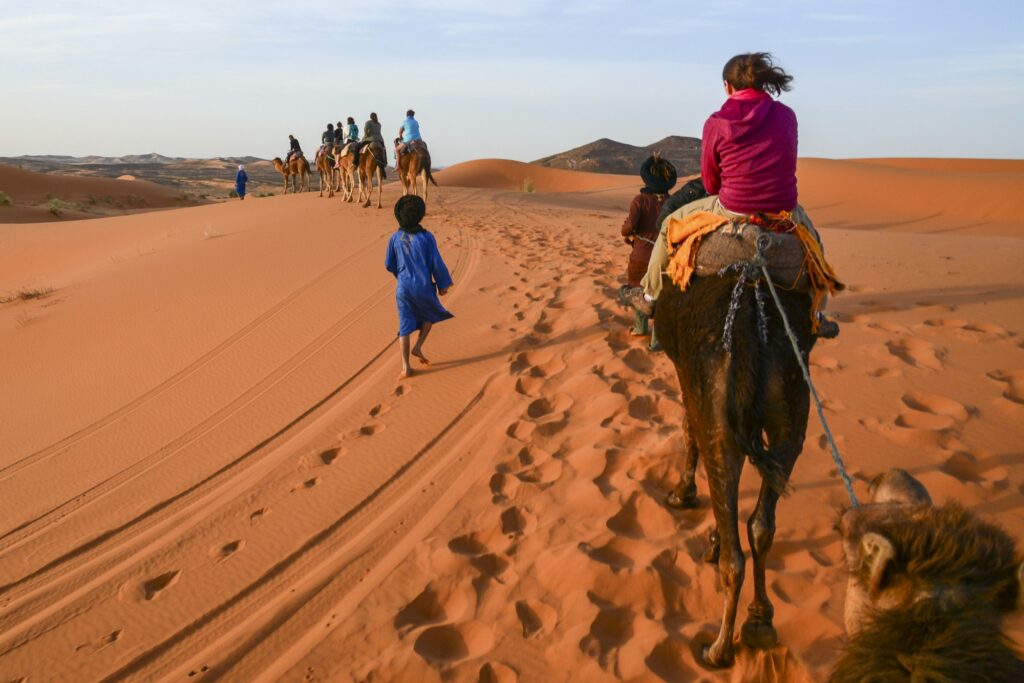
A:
684	496
785	425
723	462
423	174
380	186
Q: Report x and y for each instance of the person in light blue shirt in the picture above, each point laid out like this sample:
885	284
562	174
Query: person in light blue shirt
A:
353	130
408	133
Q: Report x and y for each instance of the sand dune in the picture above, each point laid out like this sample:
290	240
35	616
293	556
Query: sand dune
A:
503	174
77	197
210	470
976	197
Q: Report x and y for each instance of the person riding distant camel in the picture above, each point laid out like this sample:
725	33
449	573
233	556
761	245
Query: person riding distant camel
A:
339	135
326	140
372	136
294	149
640	230
408	133
352	138
748	164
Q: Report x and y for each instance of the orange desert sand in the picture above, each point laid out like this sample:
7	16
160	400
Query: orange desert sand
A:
209	467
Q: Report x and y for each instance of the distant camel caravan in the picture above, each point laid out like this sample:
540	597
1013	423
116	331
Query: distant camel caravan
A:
414	165
298	170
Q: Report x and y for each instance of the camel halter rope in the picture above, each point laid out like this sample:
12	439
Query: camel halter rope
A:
749	270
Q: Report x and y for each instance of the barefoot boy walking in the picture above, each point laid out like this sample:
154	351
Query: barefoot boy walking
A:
414	260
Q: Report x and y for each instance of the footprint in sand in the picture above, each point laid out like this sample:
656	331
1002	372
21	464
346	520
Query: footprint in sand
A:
433	605
256	517
496	672
641	517
517	521
669	660
543	474
494	566
503	487
621	553
611	629
946	323
1014	380
306	485
536	618
222	552
451	643
379	410
936	405
989	330
330	455
155	587
102	642
917	352
885	373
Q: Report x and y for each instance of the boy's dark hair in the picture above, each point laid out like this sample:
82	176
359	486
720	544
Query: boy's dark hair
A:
410	210
756	70
351	120
410	113
373	116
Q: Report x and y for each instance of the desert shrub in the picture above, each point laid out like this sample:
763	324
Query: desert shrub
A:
27	294
90	198
527	185
55	206
4	200
232	194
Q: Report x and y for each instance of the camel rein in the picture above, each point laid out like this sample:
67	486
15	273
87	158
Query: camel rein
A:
749	269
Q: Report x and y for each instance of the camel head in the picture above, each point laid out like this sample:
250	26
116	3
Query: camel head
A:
902	551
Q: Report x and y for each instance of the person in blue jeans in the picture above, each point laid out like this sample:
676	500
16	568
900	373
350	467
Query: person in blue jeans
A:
414	260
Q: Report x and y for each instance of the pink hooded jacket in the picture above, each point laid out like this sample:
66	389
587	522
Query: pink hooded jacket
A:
748	154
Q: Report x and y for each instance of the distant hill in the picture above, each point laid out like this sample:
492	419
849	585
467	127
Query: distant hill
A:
200	177
609	156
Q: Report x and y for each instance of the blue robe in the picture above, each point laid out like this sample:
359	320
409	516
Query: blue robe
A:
417	264
240	180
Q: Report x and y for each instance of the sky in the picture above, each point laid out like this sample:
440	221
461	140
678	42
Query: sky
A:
490	78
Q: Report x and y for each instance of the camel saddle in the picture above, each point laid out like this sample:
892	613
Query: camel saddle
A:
704	243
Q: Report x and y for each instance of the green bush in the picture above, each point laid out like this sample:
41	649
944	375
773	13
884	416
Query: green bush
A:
232	194
55	206
527	185
4	200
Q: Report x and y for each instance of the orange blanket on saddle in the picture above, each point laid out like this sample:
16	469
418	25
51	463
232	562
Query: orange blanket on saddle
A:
685	234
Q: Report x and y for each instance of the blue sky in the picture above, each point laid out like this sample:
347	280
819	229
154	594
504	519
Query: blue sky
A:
516	80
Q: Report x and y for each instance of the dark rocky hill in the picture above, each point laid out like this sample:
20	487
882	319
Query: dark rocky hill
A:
609	156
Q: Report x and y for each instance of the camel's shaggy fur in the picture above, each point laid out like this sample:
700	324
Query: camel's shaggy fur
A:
953	578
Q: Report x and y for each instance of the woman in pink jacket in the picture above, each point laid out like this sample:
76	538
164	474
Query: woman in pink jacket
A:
748	158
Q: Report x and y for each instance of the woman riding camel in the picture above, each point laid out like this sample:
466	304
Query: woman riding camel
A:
748	162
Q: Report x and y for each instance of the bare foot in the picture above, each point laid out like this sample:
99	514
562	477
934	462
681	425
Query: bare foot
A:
406	373
423	359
